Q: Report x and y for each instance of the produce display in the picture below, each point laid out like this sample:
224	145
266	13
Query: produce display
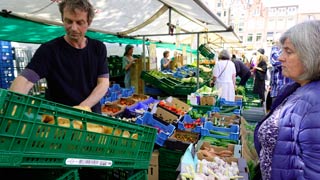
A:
223	120
111	109
218	142
91	127
208	91
209	152
185	136
195	114
171	108
125	101
139	97
192	125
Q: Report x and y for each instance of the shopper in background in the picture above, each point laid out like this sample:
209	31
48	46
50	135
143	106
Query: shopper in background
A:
224	76
260	70
165	61
74	65
241	70
277	79
287	140
127	62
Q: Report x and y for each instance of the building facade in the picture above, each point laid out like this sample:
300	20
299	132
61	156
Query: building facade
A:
258	24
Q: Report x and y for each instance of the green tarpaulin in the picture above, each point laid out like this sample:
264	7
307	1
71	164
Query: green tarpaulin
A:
21	30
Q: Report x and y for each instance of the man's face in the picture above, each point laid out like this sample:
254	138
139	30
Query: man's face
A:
75	23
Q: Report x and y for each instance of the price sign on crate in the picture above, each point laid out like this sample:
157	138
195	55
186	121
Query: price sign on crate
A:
88	162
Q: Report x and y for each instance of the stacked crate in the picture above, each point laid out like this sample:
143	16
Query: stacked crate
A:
6	65
120	149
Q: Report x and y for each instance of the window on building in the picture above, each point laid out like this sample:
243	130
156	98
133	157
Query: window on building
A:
241	25
282	11
281	24
249	37
271	24
292	11
271	12
224	13
256	11
251	24
290	22
269	37
219	4
219	14
258	37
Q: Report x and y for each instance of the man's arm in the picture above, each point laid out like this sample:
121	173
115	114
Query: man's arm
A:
21	85
98	92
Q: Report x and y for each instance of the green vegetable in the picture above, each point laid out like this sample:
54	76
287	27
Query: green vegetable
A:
219	133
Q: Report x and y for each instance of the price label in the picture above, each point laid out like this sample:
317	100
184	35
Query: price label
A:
88	162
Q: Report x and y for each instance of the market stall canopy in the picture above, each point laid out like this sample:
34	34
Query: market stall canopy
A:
114	20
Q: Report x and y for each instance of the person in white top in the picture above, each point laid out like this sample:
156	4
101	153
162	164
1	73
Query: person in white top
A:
224	76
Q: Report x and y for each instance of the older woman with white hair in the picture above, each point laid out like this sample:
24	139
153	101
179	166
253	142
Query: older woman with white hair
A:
224	76
287	140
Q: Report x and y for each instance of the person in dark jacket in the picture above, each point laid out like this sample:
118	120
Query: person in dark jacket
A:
287	140
241	70
260	71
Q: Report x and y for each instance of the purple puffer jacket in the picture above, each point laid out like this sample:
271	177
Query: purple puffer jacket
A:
297	152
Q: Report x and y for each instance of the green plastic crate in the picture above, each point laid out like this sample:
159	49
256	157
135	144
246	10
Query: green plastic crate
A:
70	175
148	78
168	173
112	174
169	158
40	173
26	141
140	175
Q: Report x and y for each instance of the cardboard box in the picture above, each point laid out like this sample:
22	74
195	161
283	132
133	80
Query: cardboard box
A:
153	171
166	115
178	104
207	101
106	109
139	97
135	72
238	97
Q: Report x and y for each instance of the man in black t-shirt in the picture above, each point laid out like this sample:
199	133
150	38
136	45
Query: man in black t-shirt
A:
242	70
74	66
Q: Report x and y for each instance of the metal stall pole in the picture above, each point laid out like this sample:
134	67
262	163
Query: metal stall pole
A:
198	38
143	59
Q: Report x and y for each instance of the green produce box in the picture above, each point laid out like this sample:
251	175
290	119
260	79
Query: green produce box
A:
169	158
40	174
71	140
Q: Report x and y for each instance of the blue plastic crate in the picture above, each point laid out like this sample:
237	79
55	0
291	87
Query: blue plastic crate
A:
5	44
131	110
7	63
149	101
6	56
164	131
115	87
6	72
5	85
105	99
188	120
127	92
153	90
217	109
224	102
233	131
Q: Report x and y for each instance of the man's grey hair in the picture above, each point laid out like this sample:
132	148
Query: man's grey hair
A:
305	37
83	5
